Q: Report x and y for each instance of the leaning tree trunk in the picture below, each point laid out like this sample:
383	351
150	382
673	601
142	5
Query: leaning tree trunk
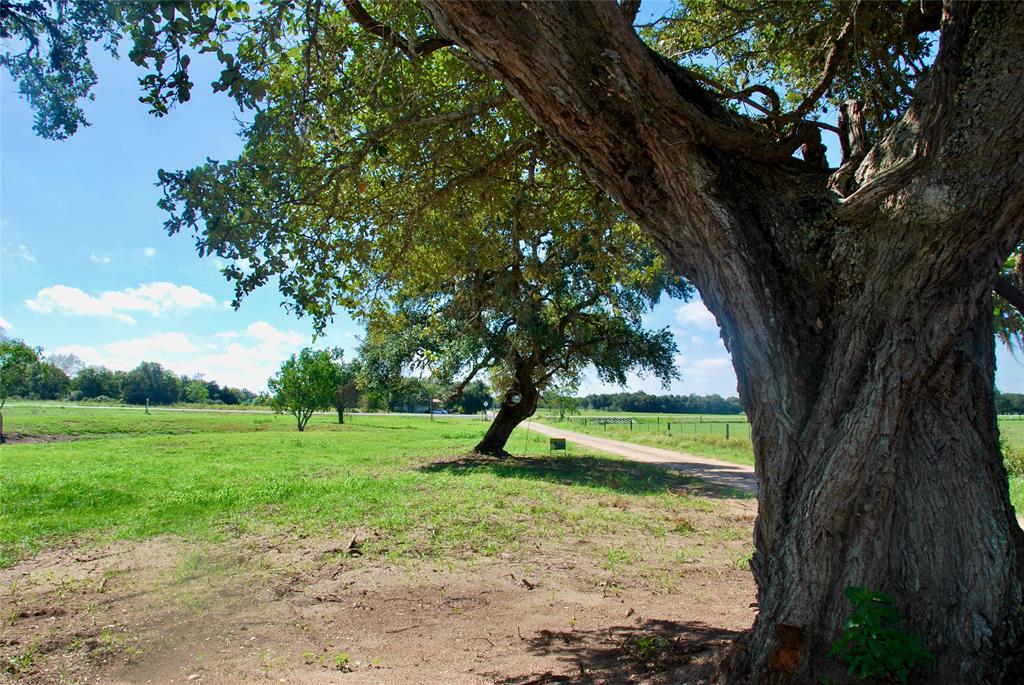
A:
518	405
857	317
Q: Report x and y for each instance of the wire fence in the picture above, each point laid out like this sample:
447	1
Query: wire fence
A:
1011	428
665	425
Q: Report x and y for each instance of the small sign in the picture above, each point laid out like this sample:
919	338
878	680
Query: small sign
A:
558	443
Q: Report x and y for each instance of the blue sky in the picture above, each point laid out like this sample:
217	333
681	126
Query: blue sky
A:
87	267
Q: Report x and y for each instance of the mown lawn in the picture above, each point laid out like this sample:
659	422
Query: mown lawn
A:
399	480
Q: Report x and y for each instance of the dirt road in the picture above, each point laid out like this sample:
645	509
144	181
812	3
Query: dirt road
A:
711	470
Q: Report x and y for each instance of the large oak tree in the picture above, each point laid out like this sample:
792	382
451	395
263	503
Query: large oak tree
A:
855	301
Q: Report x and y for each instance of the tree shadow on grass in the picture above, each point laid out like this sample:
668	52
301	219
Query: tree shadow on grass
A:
651	651
628	477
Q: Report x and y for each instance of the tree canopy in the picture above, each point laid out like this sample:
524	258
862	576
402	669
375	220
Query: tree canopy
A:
306	383
150	383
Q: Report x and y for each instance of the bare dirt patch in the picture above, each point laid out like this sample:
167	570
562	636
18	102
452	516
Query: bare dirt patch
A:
318	611
16	438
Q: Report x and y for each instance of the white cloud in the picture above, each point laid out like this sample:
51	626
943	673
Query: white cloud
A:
244	359
99	258
19	253
5	324
149	252
266	333
697	315
707	375
157	299
153	345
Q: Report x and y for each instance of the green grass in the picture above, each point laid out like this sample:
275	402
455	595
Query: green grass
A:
85	420
705	436
203	476
1017	494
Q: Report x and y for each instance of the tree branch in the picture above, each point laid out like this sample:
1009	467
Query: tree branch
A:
835	53
477	368
371	137
925	123
419	47
1009	291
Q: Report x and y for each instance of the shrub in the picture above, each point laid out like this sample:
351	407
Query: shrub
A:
873	643
1013	457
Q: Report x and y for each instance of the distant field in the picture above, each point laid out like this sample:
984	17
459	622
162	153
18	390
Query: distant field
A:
123	474
706	435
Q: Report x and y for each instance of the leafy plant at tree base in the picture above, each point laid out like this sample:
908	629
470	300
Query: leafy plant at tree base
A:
873	643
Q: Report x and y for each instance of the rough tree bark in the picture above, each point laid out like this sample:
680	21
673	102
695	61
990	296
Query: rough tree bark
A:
858	323
518	405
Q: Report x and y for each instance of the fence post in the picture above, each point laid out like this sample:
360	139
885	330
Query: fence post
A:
670	428
631	425
726	431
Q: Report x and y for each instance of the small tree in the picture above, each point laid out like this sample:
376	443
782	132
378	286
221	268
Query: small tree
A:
48	381
305	384
17	362
474	399
560	402
196	392
149	382
97	381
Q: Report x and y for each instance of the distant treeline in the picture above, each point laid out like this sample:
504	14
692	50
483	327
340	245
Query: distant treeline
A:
662	404
1009	403
151	381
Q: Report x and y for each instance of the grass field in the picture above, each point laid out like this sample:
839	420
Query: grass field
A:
706	436
132	475
173	546
170	546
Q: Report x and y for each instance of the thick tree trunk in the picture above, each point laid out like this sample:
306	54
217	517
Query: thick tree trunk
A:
858	324
511	414
897	486
341	413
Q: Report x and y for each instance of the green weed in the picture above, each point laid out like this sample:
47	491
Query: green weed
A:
873	643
